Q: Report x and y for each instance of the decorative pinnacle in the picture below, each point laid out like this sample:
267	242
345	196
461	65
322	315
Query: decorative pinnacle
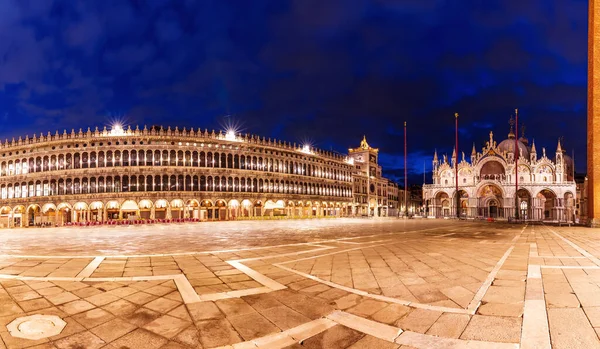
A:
456	115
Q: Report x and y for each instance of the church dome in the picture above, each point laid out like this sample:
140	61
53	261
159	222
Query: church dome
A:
508	145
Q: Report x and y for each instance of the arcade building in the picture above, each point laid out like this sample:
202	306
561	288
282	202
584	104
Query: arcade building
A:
157	174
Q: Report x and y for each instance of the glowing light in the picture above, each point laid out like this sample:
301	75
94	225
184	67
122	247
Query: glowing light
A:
117	130
350	161
230	135
306	149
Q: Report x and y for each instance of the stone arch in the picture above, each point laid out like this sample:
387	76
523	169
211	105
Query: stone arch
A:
548	202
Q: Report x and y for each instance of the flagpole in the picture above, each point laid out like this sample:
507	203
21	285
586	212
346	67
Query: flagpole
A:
405	178
516	164
456	166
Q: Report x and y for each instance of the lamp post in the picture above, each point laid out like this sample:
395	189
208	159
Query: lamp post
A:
456	166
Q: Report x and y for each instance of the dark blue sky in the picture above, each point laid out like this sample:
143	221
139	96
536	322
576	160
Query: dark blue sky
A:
327	71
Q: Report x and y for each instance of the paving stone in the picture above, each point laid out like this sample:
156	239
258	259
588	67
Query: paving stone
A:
496	309
419	320
348	301
204	311
367	307
252	325
80	340
189	337
493	329
61	298
120	307
167	326
112	330
391	313
35	304
162	305
76	307
93	318
449	325
370	342
284	317
336	337
141	317
234	307
217	332
139	339
561	300
570	328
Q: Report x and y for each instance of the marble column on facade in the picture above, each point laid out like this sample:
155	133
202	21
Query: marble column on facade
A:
152	212
168	215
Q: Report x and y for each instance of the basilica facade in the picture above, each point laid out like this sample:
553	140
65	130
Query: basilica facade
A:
487	183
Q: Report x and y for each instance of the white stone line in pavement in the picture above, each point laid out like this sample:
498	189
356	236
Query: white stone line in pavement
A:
90	268
321	248
187	292
376	296
535	333
260	278
476	301
569	267
424	341
286	338
576	247
372	328
414	340
443	235
232	294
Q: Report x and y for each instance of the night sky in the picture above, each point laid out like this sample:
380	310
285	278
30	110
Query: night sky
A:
326	72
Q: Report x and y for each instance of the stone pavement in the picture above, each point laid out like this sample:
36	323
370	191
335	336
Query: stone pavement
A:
347	283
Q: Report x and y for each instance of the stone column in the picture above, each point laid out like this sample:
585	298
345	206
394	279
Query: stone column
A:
593	111
152	212
168	216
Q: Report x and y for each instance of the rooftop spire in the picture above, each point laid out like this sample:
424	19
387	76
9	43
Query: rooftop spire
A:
533	151
473	152
559	147
511	122
363	143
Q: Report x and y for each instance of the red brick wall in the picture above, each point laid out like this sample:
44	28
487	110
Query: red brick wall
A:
593	170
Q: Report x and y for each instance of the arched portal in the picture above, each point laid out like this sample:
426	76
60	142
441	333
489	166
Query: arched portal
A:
441	205
206	210
176	209
192	208
130	210
145	209
463	202
80	211
112	210
525	204
97	211
49	214
490	201
160	209
34	215
64	211
548	205
221	210
5	217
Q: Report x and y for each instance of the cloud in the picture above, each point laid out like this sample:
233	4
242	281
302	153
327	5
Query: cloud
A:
295	69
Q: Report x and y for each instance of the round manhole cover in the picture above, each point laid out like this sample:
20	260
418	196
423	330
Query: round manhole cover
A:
36	326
